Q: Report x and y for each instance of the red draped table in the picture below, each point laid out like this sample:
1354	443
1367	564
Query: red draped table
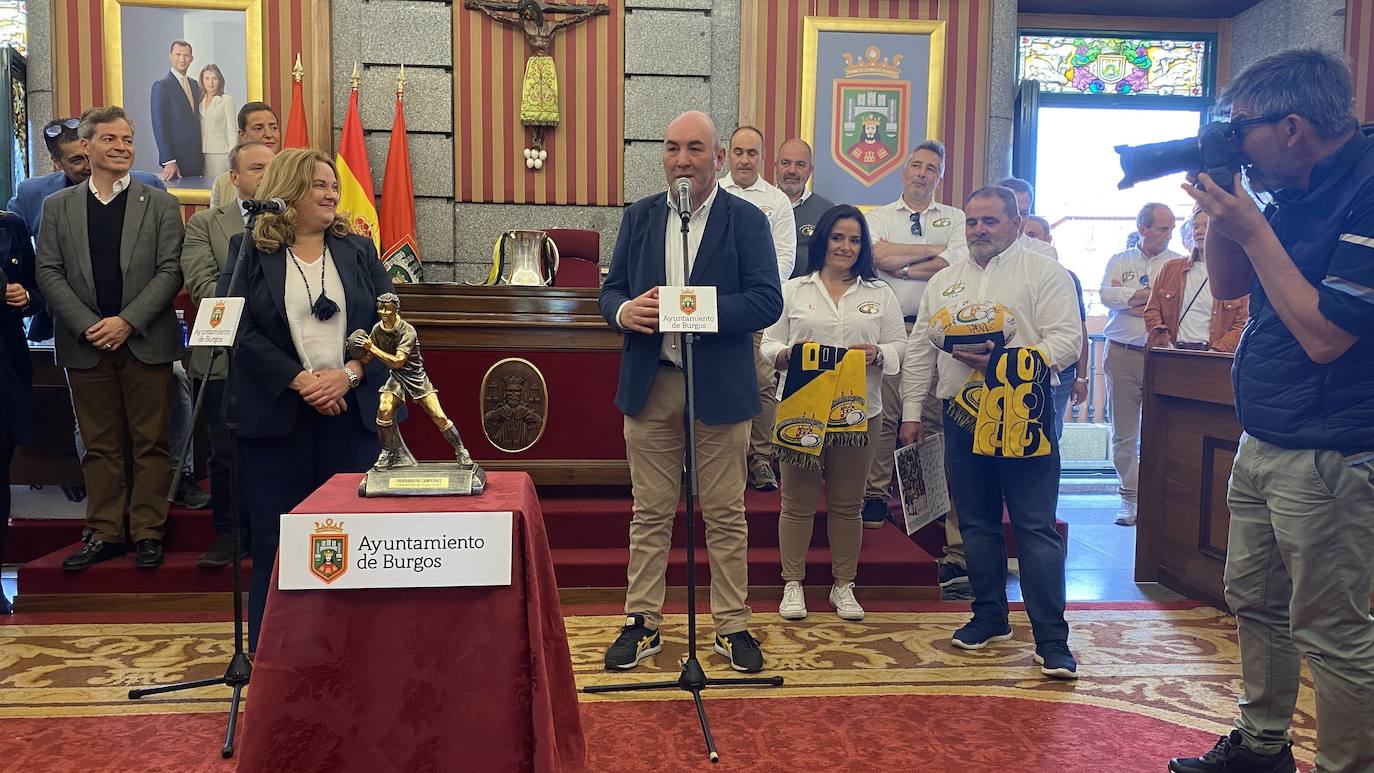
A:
422	679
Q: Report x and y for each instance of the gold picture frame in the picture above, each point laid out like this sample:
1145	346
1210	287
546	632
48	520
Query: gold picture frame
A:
882	57
115	65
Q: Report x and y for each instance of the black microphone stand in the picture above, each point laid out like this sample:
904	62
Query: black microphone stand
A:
692	678
240	668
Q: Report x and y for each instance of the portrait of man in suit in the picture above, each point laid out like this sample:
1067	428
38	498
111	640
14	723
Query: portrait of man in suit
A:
176	116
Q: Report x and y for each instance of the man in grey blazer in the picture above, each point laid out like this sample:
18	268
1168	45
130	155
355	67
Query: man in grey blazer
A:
108	266
203	258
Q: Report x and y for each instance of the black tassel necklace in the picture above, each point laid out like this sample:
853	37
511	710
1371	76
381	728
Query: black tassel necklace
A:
322	307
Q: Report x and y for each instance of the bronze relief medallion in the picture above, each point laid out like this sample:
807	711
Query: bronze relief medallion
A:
515	405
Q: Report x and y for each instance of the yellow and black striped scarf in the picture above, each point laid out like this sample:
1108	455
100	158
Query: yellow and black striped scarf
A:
1008	409
824	403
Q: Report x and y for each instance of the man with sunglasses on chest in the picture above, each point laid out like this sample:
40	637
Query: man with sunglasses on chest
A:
1300	546
913	238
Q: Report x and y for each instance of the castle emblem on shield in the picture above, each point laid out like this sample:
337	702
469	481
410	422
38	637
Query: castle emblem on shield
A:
688	302
217	314
329	550
871	107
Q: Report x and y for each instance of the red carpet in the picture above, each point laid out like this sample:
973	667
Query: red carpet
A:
888	693
853	733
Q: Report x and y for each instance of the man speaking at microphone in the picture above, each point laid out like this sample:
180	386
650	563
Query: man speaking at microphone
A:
729	246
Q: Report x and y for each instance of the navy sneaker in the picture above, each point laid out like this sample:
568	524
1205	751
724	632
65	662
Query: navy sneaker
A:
1231	756
952	574
875	512
977	634
635	643
742	650
1056	660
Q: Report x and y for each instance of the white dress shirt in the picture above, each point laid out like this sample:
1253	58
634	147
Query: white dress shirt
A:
319	343
1195	321
1037	291
119	186
1128	272
867	313
1035	245
940	224
778	207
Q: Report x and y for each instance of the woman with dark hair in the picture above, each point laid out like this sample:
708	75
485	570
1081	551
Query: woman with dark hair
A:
302	416
219	130
839	301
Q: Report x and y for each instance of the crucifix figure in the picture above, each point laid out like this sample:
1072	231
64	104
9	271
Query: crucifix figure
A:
539	90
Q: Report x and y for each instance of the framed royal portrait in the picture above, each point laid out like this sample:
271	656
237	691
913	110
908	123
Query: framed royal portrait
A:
182	69
871	90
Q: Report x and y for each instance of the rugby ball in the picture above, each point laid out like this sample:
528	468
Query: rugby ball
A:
967	326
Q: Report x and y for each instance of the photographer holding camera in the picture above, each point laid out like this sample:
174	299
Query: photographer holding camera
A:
1300	556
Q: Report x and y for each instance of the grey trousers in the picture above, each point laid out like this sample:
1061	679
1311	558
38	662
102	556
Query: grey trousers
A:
1299	572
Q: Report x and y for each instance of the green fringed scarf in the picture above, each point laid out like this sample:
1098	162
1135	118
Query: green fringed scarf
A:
824	403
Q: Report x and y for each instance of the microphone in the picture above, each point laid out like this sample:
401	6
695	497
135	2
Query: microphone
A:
682	189
273	206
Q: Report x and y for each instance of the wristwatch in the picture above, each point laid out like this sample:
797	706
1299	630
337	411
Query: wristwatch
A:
353	380
901	272
1081	380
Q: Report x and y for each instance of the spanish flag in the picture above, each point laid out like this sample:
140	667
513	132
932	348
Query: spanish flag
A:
402	255
297	135
355	176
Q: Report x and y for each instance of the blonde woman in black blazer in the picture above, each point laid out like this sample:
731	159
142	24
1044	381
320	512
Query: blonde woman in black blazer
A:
306	409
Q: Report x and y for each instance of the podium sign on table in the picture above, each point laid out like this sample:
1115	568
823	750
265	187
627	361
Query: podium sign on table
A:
461	678
394	550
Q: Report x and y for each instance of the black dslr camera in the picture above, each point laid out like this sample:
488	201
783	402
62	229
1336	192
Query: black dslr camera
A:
1215	150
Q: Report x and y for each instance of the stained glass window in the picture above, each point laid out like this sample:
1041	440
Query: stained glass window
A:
1069	64
14	25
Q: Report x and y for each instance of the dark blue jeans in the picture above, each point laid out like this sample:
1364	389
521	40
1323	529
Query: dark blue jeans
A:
1030	487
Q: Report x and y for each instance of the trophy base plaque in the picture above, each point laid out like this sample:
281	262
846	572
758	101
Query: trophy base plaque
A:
424	480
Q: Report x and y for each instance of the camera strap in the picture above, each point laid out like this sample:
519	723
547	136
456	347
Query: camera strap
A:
1200	288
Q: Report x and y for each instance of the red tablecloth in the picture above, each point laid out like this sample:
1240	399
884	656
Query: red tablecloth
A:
425	679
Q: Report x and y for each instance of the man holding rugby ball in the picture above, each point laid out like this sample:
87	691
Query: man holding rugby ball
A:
1037	294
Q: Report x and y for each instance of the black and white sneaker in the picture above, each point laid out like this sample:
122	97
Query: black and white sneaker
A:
635	643
743	651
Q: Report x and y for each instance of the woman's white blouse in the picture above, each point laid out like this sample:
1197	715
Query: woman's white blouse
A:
319	344
867	313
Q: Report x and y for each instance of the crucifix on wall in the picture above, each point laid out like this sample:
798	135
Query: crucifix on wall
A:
539	89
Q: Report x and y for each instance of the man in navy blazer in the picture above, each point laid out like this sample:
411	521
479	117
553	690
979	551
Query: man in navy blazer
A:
730	247
176	117
72	169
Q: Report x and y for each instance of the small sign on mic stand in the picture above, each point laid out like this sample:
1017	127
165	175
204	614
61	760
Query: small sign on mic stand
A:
217	322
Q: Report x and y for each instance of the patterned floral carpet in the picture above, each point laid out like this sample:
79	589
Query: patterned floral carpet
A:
882	694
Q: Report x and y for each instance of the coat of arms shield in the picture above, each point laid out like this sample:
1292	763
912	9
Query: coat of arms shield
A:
328	551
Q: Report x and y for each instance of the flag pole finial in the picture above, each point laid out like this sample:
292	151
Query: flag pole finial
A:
357	76
298	72
401	82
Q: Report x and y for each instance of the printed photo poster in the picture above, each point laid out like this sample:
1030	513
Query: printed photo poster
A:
921	482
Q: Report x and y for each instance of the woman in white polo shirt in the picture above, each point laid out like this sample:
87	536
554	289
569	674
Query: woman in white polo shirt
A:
839	301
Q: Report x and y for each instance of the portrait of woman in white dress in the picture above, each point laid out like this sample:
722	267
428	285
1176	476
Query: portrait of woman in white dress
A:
218	121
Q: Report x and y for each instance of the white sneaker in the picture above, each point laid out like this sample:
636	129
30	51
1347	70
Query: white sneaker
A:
1126	516
846	606
793	606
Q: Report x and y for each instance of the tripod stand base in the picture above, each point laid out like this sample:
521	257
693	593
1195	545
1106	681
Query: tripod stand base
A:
693	680
236	676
